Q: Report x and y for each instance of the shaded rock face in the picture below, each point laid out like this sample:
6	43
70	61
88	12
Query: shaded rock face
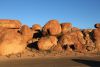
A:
97	38
10	24
66	27
97	25
11	42
37	31
52	28
46	43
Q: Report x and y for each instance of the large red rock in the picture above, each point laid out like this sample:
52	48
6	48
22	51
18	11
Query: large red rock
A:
74	29
36	30
97	25
88	36
57	47
26	33
66	27
53	40
66	40
52	28
46	43
73	39
97	34
11	42
36	27
78	40
10	23
97	38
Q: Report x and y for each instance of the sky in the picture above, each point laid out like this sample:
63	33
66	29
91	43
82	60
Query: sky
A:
81	13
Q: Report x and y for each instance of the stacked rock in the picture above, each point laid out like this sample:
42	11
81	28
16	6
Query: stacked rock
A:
15	37
97	36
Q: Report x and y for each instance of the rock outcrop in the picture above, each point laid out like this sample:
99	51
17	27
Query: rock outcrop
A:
78	39
11	42
52	28
57	47
26	33
46	43
37	31
15	24
88	36
66	27
97	38
74	38
97	25
36	27
53	36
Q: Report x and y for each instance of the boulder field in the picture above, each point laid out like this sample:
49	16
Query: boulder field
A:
16	37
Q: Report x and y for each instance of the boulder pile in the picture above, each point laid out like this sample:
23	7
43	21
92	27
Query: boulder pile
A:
15	37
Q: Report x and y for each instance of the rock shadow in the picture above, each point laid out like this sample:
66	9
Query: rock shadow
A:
90	63
38	34
33	45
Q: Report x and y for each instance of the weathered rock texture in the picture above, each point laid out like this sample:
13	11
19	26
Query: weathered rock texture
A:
15	37
88	36
10	23
57	47
52	28
11	42
46	43
36	27
73	39
97	38
66	27
26	33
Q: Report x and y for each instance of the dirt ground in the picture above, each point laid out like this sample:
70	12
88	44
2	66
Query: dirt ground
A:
53	62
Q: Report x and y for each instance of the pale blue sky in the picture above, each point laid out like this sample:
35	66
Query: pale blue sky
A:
81	13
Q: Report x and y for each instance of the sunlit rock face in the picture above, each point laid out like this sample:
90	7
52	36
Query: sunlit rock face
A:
88	36
78	40
37	31
45	43
52	28
66	40
73	29
74	38
96	33
57	47
36	27
10	42
26	33
15	37
10	23
66	27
